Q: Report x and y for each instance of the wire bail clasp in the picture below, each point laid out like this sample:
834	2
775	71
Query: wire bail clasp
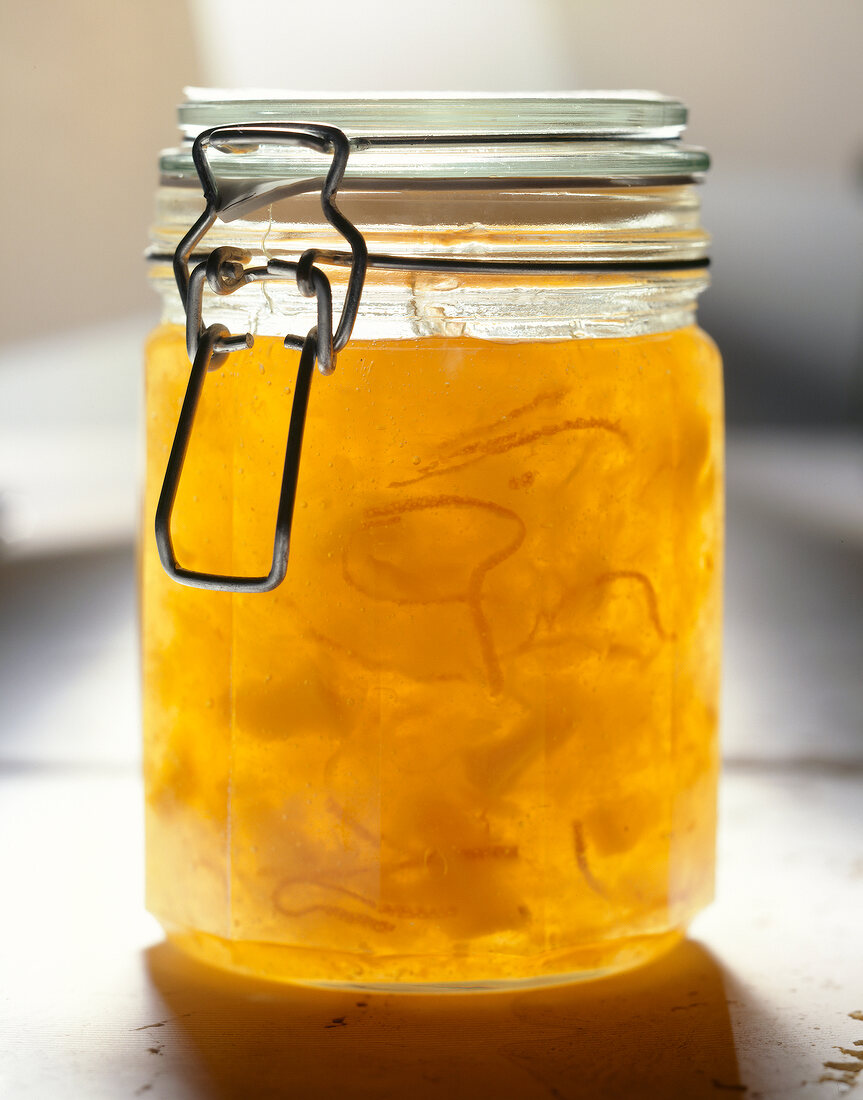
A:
208	347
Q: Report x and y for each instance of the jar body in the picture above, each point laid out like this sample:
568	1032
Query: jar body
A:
471	739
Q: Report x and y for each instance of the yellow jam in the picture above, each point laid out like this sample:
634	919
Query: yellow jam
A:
471	737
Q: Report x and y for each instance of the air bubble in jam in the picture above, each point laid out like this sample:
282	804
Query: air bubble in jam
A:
471	737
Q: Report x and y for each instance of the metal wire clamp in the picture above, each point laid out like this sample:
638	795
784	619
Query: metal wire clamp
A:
208	347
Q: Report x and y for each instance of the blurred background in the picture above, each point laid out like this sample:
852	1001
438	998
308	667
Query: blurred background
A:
774	89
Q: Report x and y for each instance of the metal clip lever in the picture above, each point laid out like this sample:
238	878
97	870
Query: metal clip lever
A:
324	139
209	347
287	496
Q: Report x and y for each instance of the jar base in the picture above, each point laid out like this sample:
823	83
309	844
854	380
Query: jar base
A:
399	974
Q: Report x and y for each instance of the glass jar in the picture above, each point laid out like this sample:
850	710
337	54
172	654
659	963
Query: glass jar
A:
469	741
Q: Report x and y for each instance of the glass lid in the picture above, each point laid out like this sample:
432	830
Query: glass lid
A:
622	136
639	115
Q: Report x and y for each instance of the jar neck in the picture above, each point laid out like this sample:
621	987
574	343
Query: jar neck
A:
581	222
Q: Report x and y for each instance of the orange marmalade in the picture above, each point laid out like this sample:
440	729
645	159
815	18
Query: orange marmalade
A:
471	739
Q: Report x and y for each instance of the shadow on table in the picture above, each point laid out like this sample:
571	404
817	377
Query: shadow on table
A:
660	1031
